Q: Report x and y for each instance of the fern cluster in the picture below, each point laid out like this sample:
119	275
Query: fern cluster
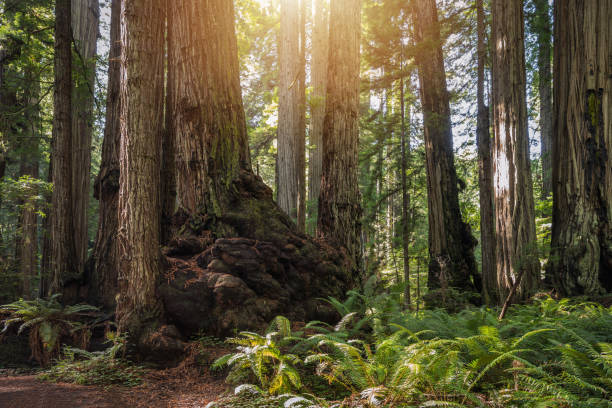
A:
546	354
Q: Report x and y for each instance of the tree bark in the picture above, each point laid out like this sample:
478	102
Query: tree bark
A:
320	38
406	222
141	123
485	172
582	171
544	35
103	285
27	250
514	206
301	146
85	21
288	109
339	218
451	244
63	264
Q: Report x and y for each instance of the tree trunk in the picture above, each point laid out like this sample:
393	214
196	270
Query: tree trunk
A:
320	38
514	207
405	151
27	250
85	21
141	123
288	109
236	257
301	146
544	34
485	173
582	169
451	244
168	171
103	285
340	200
63	265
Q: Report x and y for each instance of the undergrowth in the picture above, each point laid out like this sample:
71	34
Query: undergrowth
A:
101	368
546	354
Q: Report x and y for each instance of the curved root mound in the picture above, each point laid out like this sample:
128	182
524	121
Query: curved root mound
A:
242	270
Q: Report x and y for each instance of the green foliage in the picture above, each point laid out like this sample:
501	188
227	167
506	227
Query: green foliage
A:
546	354
95	368
49	324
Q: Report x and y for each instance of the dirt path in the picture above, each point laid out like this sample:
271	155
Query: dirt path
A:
161	389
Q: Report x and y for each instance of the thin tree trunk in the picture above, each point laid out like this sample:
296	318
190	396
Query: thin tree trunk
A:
301	167
405	152
544	35
582	148
340	201
28	243
320	38
141	123
288	109
85	22
63	263
106	188
451	244
485	172
514	206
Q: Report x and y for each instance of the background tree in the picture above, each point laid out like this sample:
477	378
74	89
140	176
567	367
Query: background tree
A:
582	173
339	217
451	243
517	259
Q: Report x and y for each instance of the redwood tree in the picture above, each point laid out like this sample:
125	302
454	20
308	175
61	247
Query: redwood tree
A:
289	136
517	260
141	125
451	244
339	218
485	172
63	253
582	146
320	38
103	283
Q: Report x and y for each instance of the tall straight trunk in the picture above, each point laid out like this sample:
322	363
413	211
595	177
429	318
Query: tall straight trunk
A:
514	206
543	28
168	170
63	263
301	153
288	108
27	251
106	188
339	218
318	73
85	22
485	172
451	244
405	151
582	148
141	124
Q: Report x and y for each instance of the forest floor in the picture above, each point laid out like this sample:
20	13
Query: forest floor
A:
181	387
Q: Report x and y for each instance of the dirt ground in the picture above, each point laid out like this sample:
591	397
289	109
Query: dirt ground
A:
159	390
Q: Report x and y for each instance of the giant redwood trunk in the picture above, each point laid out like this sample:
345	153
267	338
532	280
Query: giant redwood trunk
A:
318	75
485	172
582	148
63	253
103	282
288	108
85	20
516	247
141	91
451	243
235	259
